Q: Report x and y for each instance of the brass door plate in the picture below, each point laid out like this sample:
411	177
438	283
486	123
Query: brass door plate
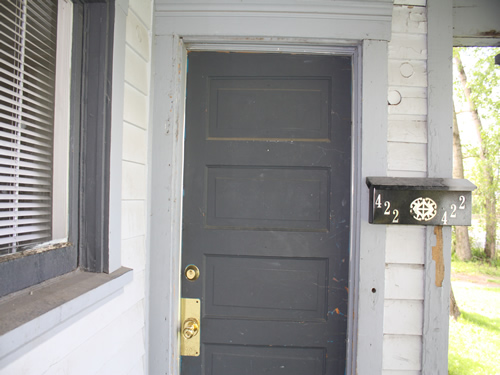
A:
190	310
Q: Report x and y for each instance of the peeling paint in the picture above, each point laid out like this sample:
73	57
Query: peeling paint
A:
437	256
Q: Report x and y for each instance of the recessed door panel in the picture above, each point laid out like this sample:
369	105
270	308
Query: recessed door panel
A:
267	211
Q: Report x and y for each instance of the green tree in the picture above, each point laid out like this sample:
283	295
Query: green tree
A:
479	90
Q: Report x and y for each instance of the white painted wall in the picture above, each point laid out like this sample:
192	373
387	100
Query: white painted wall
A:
110	336
407	156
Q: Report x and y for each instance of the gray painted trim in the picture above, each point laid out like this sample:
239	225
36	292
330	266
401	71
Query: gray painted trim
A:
167	164
439	156
327	20
371	271
95	134
166	197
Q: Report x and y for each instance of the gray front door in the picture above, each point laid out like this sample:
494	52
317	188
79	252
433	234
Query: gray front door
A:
267	211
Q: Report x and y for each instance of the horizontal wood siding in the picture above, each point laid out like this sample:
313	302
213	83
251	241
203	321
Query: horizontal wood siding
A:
131	357
407	157
110	337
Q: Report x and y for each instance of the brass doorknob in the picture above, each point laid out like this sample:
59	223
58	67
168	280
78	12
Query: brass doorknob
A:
190	328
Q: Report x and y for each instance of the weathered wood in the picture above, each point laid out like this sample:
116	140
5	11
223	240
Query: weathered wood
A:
440	153
409	19
407	156
407	129
408	47
477	24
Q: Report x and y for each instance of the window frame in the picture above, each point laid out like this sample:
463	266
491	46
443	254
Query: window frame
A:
89	160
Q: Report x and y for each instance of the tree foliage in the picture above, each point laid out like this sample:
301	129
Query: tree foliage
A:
482	78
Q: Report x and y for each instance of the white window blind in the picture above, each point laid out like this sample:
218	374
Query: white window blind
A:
28	30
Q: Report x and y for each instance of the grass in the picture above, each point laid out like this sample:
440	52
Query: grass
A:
478	265
475	336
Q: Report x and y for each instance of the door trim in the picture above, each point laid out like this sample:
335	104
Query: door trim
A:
364	299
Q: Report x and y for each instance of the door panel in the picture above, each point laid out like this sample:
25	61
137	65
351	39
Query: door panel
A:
267	211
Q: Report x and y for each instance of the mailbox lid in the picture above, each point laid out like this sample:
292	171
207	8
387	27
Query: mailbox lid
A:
417	183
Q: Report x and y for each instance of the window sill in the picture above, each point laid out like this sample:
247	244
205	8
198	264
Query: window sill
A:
32	312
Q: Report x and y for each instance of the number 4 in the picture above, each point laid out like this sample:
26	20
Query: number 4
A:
378	202
444	220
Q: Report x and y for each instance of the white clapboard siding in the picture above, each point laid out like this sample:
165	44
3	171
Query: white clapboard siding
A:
137	36
135	143
138	368
402	352
126	357
404	72
404	281
136	70
403	317
406	174
101	346
405	244
413	101
133	218
134	252
407	129
134	178
143	11
407	156
135	107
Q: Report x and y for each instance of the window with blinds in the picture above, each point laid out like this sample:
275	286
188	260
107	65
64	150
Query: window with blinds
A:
28	40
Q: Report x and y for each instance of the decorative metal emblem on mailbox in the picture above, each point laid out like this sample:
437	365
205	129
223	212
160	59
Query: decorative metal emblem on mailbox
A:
420	201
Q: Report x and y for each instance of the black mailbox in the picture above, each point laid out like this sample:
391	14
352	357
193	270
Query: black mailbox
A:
420	201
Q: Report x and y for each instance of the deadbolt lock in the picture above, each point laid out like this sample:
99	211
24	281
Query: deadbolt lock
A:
190	327
192	272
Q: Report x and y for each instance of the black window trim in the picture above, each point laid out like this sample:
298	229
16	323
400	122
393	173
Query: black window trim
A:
91	83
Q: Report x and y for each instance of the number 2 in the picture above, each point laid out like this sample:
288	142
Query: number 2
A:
388	209
462	203
396	216
453	210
